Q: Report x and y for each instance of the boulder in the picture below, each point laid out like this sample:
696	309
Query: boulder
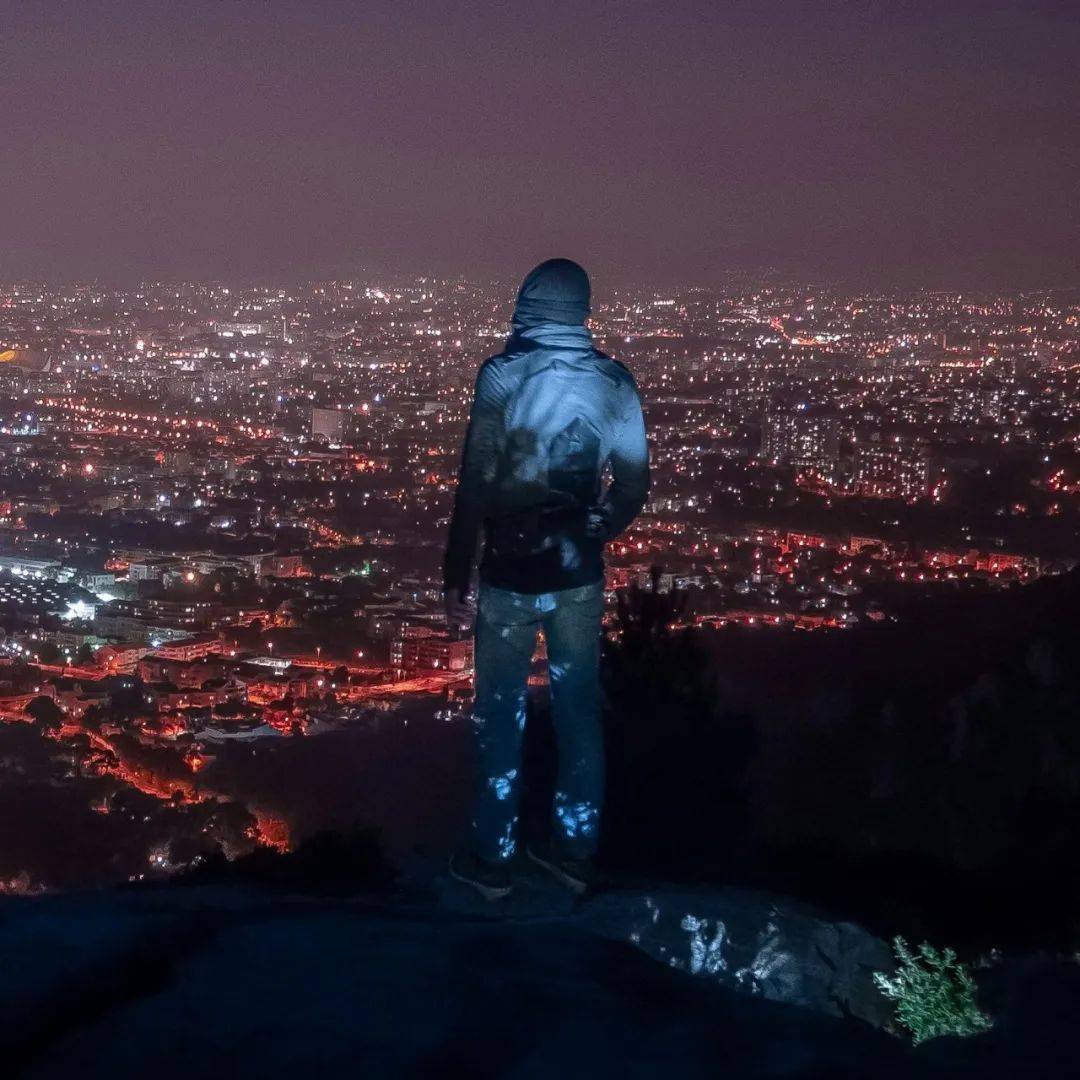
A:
755	943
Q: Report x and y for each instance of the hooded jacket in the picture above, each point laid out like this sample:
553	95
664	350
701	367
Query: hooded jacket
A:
549	414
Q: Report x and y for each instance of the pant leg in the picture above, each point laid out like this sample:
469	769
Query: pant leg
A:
506	628
572	630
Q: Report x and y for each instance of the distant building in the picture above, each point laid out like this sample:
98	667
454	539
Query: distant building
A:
30	599
281	566
120	658
805	440
240	329
192	648
329	424
26	361
618	577
35	568
150	569
422	650
892	468
130	628
805	540
859	544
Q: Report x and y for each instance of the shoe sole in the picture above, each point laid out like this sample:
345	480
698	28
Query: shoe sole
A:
574	884
488	892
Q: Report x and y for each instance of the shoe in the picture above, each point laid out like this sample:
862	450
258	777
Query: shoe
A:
491	880
578	875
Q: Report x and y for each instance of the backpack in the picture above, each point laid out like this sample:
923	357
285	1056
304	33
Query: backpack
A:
548	468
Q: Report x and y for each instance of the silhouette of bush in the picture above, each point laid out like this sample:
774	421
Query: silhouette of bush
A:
327	863
675	759
934	993
927	768
46	714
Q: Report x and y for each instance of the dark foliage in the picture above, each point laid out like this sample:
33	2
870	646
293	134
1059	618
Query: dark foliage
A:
328	863
46	714
925	777
663	721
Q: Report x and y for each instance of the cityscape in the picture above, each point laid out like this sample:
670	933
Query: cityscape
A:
539	539
224	510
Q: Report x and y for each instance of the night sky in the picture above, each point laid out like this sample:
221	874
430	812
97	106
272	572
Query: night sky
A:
933	143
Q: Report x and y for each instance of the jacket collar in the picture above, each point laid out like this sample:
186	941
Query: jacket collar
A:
557	336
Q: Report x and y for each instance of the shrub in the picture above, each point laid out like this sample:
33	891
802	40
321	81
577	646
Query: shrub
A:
327	863
934	992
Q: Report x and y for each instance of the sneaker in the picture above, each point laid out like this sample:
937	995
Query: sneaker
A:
578	875
491	880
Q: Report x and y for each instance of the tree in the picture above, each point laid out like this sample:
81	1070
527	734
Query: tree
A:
46	714
49	653
94	717
675	760
230	708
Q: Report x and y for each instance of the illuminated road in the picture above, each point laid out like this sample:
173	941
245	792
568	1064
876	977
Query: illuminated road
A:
271	831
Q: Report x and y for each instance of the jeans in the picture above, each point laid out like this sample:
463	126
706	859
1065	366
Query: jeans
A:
506	628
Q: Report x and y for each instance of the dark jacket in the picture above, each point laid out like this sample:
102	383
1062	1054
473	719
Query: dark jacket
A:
550	413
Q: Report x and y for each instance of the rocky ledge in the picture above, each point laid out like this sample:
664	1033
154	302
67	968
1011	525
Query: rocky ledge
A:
246	981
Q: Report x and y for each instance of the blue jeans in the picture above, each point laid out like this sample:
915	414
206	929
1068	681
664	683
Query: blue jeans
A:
506	628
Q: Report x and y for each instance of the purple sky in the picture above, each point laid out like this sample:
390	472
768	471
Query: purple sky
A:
935	143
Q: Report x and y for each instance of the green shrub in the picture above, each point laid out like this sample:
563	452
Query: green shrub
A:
934	992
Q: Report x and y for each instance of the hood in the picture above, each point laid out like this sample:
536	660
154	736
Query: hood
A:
556	291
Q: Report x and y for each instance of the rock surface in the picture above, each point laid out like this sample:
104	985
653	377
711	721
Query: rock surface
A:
755	944
751	942
175	981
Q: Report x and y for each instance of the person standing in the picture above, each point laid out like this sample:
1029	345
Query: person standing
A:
550	416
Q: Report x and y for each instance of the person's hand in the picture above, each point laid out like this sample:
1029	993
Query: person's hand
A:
596	523
460	609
